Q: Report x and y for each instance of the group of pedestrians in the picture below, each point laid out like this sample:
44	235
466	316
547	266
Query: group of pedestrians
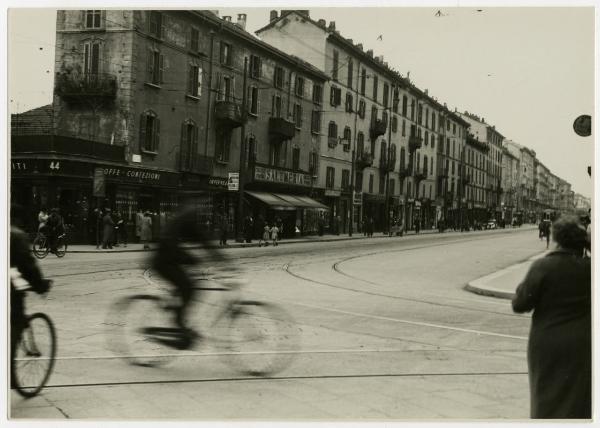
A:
269	233
114	228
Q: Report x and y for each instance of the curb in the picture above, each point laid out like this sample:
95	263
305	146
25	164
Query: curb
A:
477	286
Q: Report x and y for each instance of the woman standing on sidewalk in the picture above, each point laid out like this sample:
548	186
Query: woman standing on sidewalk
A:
559	355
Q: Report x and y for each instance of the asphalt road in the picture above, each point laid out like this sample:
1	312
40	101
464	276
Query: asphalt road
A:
386	332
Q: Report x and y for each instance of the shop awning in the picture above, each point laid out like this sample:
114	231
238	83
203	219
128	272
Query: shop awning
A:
280	201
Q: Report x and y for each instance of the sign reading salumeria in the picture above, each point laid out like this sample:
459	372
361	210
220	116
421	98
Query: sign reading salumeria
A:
262	173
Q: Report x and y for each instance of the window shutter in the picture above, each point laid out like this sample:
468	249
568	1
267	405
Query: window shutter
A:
332	96
221	53
156	134
161	60
142	131
183	148
200	77
190	84
150	64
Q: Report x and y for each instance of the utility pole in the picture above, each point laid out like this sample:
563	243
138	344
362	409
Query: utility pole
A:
240	222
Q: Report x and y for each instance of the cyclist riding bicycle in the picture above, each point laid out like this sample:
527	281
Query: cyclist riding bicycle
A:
170	261
54	228
24	274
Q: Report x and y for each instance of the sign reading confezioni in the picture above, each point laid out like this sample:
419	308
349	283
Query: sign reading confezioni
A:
273	175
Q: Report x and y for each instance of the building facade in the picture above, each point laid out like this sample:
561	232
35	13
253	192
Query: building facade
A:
510	186
165	89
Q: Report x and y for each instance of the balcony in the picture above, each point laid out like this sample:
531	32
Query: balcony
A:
414	143
364	160
76	86
419	176
56	144
228	114
281	129
377	128
193	162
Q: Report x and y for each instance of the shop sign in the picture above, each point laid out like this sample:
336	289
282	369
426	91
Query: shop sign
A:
220	182
273	175
357	198
18	166
333	193
99	183
233	182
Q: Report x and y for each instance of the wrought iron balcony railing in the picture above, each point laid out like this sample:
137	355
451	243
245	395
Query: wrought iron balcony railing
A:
71	86
228	114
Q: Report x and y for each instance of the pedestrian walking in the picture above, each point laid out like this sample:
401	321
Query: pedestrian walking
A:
547	227
248	228
275	234
224	230
559	355
108	228
417	226
139	219
146	230
541	230
279	224
266	235
371	227
121	230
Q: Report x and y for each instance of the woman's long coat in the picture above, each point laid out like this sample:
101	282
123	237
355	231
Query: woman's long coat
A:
146	232
558	290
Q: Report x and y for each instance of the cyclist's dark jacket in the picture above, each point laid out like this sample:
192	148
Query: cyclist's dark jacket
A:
55	224
22	259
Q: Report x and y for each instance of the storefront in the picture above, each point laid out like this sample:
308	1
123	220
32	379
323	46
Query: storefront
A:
277	195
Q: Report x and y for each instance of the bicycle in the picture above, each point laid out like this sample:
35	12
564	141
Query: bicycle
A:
253	337
33	354
41	247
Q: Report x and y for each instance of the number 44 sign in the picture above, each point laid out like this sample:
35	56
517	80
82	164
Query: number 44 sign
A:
55	165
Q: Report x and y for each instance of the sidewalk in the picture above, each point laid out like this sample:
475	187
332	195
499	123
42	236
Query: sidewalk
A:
232	244
504	282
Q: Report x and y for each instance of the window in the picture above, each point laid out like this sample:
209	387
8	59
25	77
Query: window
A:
454	128
336	60
299	86
360	144
156	24
278	77
383	152
381	185
396	100
188	148
375	87
349	102
317	94
223	145
363	81
155	67
432	141
276	106
392	186
345	179
347	138
194	40
412	109
359	181
394	124
425	165
296	158
255	66
91	53
426	137
403	128
226	54
420	114
315	123
335	96
276	157
402	158
252	101
330	177
312	163
350	67
225	88
433	121
370	183
386	95
93	19
447	125
149	132
373	114
404	105
195	81
384	117
332	132
362	107
298	115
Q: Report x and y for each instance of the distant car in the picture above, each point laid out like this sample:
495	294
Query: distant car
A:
491	225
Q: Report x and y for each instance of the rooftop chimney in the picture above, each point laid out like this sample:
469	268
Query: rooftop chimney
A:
273	16
322	23
370	53
241	20
332	26
227	18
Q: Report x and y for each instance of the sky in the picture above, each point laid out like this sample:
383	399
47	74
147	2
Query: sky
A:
527	71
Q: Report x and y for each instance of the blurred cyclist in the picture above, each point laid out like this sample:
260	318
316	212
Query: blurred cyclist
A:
24	273
170	261
54	228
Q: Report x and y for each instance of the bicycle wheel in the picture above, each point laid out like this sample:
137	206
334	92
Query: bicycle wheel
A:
33	356
259	339
40	249
61	247
141	330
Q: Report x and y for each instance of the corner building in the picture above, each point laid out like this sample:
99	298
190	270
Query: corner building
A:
148	113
